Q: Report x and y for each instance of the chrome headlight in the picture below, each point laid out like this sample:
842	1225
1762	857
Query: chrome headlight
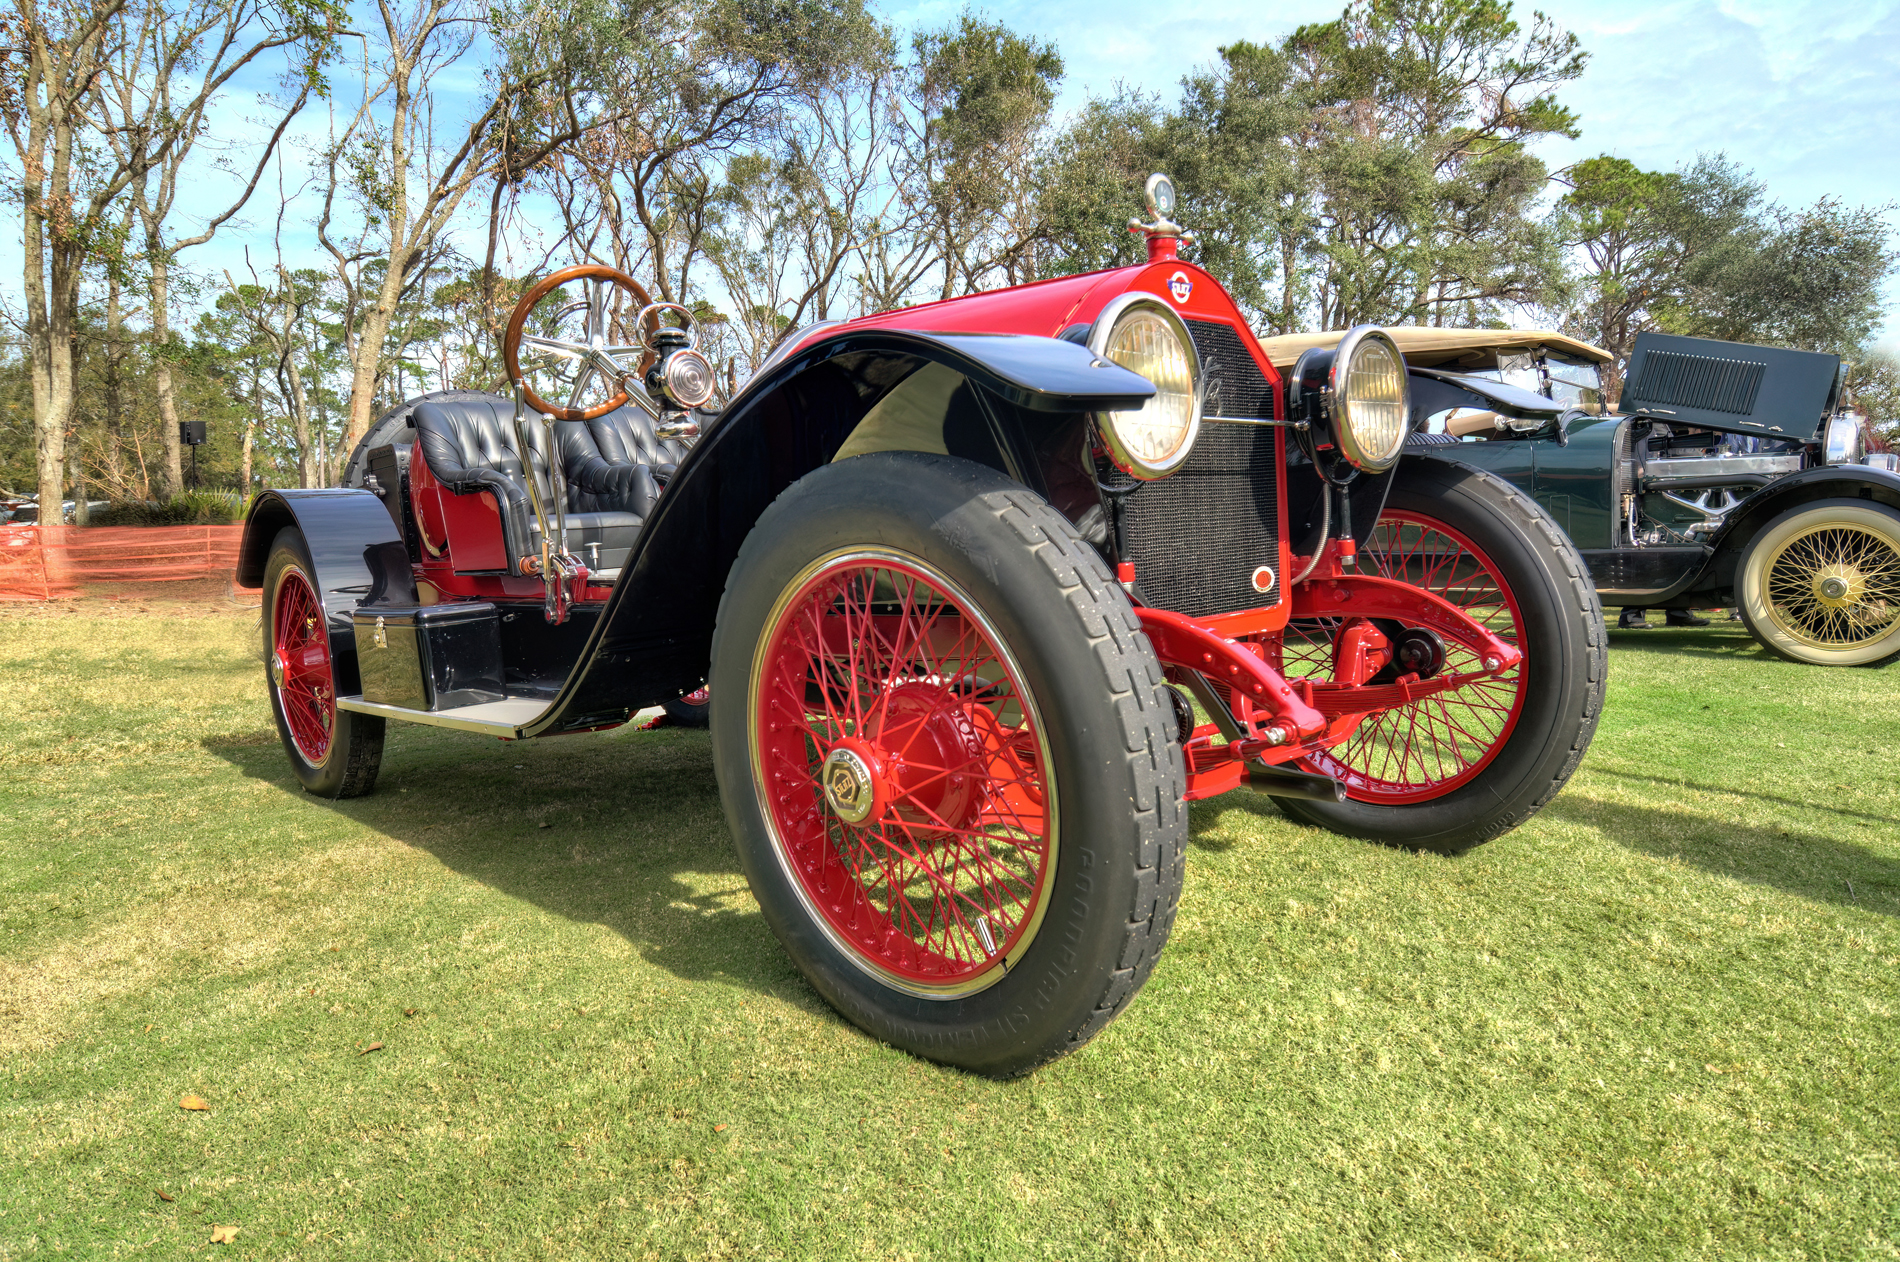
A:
1843	442
687	378
1142	334
1371	398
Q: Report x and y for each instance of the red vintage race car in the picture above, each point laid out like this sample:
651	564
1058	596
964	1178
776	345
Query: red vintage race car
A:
976	597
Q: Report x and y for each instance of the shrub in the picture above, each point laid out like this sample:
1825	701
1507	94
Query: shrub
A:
193	508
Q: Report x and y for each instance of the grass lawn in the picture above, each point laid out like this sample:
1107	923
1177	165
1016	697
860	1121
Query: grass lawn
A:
1658	1022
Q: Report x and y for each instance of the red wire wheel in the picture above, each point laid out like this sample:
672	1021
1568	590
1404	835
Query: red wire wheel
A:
1436	745
904	772
300	667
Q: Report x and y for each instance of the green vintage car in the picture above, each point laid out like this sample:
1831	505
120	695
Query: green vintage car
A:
1726	476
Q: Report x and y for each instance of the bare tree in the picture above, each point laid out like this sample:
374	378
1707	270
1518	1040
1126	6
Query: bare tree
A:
803	228
137	97
406	185
64	48
55	54
276	313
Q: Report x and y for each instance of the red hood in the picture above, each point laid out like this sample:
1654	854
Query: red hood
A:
1046	308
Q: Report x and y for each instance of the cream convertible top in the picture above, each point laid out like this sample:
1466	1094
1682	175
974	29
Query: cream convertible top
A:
1429	348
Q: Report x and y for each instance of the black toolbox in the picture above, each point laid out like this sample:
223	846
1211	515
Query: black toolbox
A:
430	657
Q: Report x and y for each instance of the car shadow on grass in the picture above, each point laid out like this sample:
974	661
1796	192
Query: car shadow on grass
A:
623	830
1797	861
1727	640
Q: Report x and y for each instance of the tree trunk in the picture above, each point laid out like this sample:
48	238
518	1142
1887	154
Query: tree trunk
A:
369	356
48	314
244	462
113	378
82	512
172	475
309	458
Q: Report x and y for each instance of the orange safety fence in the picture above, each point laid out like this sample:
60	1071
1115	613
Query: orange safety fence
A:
41	562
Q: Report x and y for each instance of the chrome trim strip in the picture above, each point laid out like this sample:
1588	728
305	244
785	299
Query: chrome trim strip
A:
1256	420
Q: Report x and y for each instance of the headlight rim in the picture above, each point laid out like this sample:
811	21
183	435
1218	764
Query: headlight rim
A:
1098	337
1338	372
1856	443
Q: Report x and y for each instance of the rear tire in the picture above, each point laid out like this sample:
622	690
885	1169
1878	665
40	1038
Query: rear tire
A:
1820	584
1537	593
334	753
692	710
948	760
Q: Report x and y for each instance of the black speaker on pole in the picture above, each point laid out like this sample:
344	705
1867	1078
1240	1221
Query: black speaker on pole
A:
192	435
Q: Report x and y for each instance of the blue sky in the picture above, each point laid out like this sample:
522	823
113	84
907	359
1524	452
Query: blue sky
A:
1805	94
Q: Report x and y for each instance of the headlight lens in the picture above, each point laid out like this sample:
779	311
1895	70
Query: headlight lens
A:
1371	398
1140	334
688	378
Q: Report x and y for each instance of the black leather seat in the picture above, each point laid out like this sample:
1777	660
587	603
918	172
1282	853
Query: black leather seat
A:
625	436
470	446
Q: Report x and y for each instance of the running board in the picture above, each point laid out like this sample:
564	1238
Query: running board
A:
491	718
1285	782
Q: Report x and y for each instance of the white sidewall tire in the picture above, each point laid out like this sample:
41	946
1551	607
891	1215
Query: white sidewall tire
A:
1751	581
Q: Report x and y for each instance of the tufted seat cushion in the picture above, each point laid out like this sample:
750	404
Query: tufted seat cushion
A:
625	436
470	447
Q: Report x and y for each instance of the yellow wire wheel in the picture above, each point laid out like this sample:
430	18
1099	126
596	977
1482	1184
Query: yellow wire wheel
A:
1821	584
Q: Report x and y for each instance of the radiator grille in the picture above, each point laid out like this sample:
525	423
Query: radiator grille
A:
1197	536
1698	381
1235	384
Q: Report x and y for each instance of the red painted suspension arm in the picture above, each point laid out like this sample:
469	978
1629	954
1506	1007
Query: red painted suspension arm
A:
1179	642
1364	596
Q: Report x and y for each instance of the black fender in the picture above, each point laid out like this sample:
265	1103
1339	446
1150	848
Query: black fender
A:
356	549
653	641
1745	521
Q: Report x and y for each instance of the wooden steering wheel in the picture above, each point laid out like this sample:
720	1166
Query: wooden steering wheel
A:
615	364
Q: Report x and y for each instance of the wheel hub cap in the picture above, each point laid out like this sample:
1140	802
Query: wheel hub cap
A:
277	669
850	787
1838	586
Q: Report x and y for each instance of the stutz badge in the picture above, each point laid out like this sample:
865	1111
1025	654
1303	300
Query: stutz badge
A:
1180	286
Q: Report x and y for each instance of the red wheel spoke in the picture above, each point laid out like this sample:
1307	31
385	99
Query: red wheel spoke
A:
943	875
1432	746
300	666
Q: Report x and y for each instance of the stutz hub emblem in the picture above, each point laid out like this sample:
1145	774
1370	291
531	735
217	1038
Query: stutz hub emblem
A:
1180	287
848	787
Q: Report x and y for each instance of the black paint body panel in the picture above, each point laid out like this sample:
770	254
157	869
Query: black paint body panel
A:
430	657
1654	575
1026	406
1731	386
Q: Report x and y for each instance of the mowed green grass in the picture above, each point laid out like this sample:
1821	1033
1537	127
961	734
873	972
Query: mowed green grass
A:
1658	1022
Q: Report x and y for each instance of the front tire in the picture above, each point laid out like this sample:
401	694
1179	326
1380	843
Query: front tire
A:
948	760
1820	584
1454	771
334	753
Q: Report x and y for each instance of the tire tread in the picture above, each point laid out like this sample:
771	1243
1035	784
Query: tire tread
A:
1156	768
